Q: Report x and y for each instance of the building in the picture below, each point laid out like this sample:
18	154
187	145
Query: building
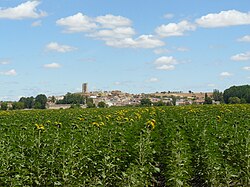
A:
85	88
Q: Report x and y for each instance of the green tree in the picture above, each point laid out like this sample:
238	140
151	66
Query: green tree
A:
40	101
28	101
217	95
102	104
234	100
53	99
90	103
73	106
208	100
146	102
159	103
17	105
174	100
243	101
242	92
71	99
37	105
4	106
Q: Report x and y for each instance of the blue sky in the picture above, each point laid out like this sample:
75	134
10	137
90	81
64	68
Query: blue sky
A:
52	46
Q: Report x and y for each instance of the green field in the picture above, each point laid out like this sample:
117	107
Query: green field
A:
157	146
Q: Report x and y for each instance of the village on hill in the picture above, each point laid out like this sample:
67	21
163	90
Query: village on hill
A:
119	98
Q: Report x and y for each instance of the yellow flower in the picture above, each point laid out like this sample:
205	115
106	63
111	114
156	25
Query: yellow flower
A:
218	118
58	124
95	123
151	123
40	127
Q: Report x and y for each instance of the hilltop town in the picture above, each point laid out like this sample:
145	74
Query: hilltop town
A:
119	98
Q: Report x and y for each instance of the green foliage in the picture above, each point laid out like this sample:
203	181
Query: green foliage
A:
242	92
146	102
208	100
217	95
4	106
28	102
74	106
90	103
102	104
234	100
159	103
17	105
174	100
72	99
40	101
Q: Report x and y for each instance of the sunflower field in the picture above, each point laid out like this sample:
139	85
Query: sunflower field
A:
154	146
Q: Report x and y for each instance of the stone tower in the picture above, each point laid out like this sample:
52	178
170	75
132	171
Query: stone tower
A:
84	88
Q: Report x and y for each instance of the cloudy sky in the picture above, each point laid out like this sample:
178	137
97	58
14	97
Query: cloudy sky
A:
52	46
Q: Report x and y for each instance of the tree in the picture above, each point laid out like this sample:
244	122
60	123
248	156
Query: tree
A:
243	101
102	104
159	103
234	100
37	105
53	99
90	103
146	102
28	101
208	100
174	100
71	99
242	92
40	101
17	105
73	106
217	95
4	106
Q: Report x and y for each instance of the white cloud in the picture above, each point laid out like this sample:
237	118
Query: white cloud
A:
165	60
143	41
77	23
53	46
244	39
22	11
241	57
211	85
226	74
161	51
165	63
120	32
247	68
4	62
153	79
224	19
148	41
175	29
111	21
168	16
182	49
52	66
115	31
36	23
166	67
11	72
117	83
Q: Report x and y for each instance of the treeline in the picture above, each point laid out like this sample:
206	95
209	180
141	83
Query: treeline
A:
232	95
237	94
70	98
38	102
